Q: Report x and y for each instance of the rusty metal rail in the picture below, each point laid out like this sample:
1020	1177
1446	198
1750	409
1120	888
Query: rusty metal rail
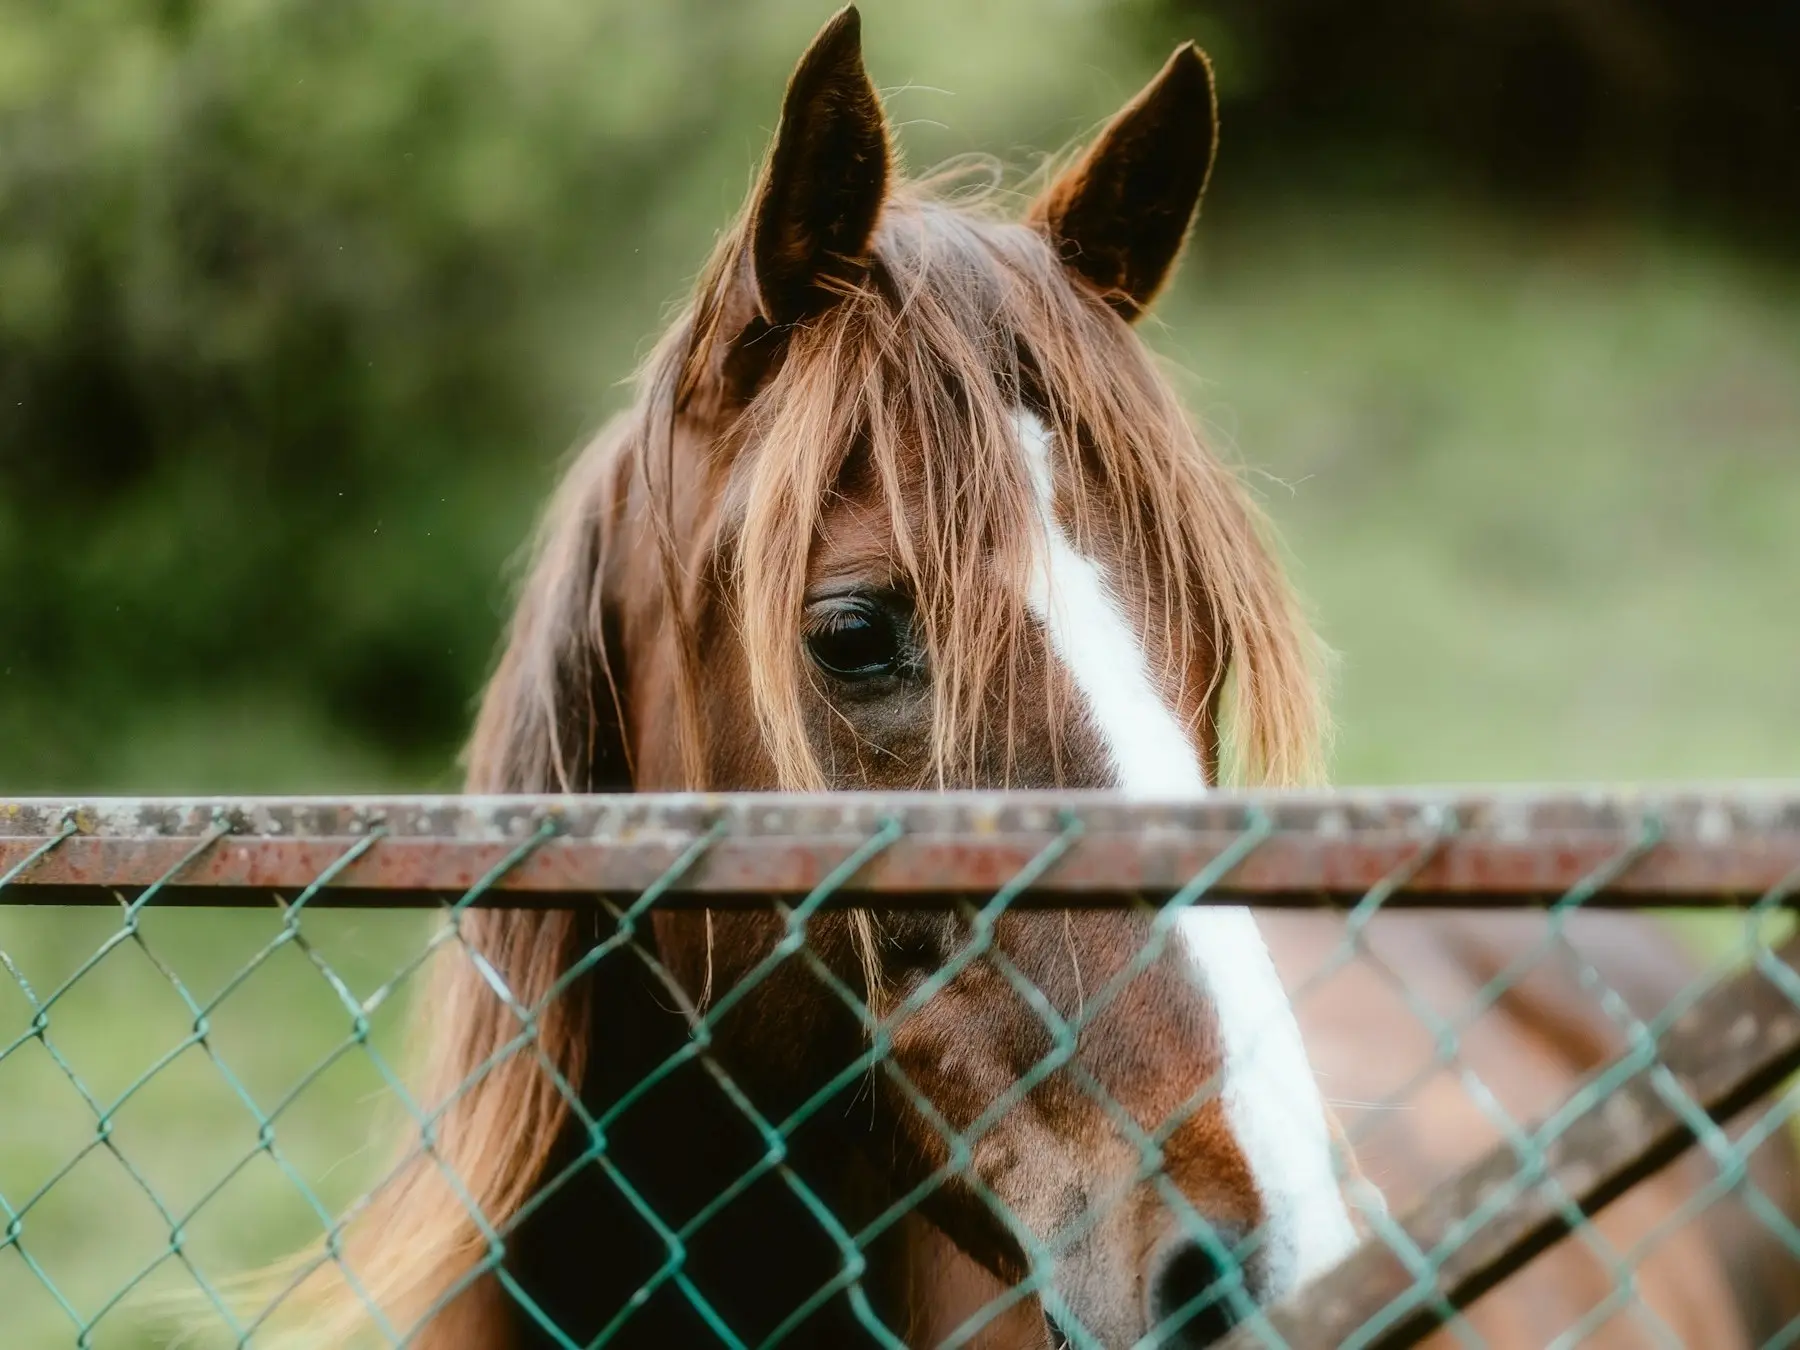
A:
1308	849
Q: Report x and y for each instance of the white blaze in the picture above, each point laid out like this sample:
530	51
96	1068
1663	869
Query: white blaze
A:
1270	1096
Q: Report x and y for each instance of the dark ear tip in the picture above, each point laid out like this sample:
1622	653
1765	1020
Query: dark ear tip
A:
843	29
834	54
1189	70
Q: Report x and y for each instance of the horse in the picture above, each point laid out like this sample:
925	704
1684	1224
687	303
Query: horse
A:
903	502
1649	1272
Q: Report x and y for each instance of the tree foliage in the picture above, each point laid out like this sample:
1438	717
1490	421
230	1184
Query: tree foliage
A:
300	304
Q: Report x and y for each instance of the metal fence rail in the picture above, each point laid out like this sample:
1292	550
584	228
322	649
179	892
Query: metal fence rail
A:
1719	1049
1425	848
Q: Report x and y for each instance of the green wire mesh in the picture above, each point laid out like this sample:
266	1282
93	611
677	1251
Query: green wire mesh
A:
276	1027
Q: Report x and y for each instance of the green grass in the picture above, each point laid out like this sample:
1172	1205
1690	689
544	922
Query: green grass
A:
188	1131
1540	492
1542	496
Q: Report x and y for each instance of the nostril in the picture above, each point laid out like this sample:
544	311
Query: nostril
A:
1196	1293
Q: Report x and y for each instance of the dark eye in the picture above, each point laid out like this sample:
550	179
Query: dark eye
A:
855	641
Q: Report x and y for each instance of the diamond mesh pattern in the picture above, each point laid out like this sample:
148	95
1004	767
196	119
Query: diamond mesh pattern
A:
253	1170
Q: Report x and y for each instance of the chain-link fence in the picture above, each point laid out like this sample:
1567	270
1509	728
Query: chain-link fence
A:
1541	1094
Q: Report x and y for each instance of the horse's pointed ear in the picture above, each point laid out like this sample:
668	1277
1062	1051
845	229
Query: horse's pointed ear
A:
812	214
1118	216
826	177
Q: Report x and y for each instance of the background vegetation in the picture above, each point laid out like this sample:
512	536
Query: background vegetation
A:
301	306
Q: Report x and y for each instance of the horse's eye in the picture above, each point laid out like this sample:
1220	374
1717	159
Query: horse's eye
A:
858	641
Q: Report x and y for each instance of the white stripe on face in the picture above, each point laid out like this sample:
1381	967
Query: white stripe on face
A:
1271	1098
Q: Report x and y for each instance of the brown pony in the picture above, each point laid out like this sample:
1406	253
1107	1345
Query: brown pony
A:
902	502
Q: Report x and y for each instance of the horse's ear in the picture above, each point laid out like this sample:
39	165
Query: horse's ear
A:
1118	216
826	177
815	204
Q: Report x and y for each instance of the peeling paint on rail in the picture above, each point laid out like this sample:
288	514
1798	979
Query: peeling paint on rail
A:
1676	848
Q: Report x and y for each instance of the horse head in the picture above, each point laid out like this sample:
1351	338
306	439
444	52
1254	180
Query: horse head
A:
904	501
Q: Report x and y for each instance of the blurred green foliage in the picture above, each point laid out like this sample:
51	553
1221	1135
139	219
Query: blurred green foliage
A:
302	305
299	306
1686	109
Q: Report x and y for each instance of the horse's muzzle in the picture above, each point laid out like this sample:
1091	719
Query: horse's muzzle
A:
1189	1289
